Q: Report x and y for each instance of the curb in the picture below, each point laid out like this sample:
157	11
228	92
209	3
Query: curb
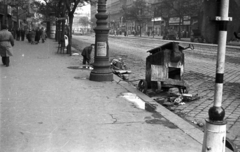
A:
182	124
189	129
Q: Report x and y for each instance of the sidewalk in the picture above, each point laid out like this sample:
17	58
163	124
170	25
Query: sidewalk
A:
47	106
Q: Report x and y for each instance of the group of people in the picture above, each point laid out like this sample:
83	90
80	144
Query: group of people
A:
35	35
7	40
20	33
7	43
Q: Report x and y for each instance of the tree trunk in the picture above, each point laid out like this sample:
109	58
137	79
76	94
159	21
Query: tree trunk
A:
209	28
179	27
140	34
63	30
70	15
57	30
48	29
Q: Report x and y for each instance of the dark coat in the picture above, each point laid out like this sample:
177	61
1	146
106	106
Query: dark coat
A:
87	52
22	32
38	35
18	33
6	43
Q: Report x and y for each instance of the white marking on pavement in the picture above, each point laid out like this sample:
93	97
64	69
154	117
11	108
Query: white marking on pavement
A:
135	99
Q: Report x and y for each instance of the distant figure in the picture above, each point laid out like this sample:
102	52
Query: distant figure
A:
28	36
22	32
32	36
43	35
6	45
86	53
38	35
18	34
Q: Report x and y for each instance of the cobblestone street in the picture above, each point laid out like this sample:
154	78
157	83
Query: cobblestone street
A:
200	67
201	79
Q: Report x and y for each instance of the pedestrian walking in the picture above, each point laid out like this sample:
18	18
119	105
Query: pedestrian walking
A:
28	35
6	45
13	33
38	35
18	34
86	53
22	32
43	35
32	36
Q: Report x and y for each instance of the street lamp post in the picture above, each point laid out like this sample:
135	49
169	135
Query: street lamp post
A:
101	65
215	127
5	12
153	21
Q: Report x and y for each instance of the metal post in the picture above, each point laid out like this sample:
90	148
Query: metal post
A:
101	71
215	128
17	17
153	21
5	13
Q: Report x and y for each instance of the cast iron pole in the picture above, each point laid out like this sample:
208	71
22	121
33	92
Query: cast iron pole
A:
215	127
5	12
101	65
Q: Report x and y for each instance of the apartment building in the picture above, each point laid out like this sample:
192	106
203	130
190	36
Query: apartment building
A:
116	22
160	21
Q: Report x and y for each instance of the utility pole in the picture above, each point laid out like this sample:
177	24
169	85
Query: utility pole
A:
153	21
101	65
215	127
5	12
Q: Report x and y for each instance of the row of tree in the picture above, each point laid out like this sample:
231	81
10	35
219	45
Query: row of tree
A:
141	11
204	11
60	9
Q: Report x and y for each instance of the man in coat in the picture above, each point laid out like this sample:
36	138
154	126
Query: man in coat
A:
38	35
22	31
86	53
18	34
6	45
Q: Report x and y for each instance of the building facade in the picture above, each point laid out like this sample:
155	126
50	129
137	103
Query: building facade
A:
6	15
118	25
14	13
161	20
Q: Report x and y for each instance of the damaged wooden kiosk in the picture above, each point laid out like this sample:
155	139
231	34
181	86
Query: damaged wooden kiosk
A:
164	69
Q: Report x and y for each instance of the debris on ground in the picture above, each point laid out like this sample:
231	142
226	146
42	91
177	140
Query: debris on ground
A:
190	97
120	69
199	123
176	99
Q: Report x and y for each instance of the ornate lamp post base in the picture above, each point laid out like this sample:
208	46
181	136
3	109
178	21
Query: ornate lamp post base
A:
101	71
101	76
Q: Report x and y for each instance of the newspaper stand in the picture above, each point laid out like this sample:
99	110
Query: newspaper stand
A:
164	69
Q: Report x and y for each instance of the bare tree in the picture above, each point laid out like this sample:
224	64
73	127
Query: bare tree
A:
20	7
84	21
71	6
140	12
181	8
